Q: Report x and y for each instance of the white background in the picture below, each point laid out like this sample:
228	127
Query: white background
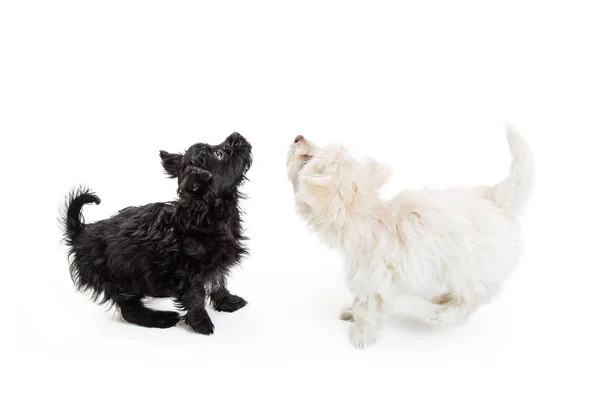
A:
91	91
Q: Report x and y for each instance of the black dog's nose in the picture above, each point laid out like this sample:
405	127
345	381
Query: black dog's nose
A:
233	137
298	138
236	139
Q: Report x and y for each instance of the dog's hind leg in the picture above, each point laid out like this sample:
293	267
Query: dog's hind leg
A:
134	311
450	309
222	300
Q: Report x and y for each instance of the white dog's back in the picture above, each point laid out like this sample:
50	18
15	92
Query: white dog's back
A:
462	243
453	241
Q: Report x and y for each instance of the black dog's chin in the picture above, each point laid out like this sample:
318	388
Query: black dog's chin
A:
242	155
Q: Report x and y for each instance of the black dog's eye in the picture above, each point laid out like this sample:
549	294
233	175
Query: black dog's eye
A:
219	154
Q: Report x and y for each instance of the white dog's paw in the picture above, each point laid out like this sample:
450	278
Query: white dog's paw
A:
347	315
363	336
446	315
440	316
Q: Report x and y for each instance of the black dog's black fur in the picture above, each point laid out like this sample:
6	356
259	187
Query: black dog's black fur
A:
182	249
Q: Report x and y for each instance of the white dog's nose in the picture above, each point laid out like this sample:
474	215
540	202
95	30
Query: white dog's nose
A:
298	138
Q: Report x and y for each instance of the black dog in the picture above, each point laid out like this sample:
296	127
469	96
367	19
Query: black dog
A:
183	249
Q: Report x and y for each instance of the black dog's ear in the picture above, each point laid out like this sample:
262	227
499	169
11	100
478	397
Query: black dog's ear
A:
171	163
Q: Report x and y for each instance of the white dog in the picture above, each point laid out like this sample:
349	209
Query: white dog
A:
453	249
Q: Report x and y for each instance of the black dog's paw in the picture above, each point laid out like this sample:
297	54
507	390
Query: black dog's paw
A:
229	303
166	319
194	179
206	328
200	322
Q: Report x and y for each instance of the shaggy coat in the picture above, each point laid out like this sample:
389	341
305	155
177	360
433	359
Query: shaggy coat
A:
182	249
449	251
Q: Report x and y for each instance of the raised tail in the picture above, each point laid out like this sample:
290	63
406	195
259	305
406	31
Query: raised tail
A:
72	219
513	192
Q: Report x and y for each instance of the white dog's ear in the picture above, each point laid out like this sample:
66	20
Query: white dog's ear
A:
316	190
377	174
319	186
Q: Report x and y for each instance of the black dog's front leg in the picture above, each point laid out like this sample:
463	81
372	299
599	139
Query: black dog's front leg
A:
193	300
224	301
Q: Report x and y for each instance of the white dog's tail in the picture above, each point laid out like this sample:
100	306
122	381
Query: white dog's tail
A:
513	192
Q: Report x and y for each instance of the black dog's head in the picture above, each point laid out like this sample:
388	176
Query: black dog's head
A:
218	169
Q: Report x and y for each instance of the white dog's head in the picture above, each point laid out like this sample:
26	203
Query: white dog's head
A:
331	186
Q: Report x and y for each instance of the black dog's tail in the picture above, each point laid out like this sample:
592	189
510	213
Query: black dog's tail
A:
72	219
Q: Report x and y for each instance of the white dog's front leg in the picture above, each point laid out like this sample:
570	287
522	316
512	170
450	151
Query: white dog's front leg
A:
367	312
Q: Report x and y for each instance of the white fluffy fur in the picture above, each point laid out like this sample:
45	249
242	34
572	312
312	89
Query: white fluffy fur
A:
452	249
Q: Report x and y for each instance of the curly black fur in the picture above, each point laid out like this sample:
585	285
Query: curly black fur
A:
182	249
